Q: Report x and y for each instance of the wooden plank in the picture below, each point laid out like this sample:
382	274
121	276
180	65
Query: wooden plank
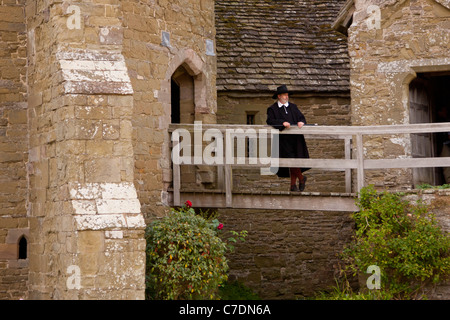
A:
330	130
319	163
325	164
274	202
407	163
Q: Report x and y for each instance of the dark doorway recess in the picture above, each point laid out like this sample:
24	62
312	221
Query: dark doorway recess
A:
429	102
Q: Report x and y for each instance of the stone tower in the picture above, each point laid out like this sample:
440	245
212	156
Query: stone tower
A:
400	74
85	97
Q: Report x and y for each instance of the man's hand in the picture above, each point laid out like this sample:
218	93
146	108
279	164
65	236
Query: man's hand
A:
300	124
286	124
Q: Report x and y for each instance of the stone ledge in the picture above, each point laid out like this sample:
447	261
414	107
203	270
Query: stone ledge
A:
109	221
99	206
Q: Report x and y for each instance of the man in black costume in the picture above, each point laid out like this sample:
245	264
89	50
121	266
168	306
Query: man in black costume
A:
281	115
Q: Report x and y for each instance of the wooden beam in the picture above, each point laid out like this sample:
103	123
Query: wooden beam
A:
290	201
329	130
407	163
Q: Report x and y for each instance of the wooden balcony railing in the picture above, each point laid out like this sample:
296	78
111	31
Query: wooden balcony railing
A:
354	157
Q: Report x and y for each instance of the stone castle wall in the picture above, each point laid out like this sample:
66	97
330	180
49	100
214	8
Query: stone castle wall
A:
14	148
86	226
389	43
187	26
84	111
292	257
85	137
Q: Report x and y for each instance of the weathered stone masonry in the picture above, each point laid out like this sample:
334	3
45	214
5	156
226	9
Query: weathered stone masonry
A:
390	43
13	147
85	105
86	225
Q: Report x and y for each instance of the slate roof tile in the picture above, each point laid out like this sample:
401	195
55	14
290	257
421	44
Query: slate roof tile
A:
262	44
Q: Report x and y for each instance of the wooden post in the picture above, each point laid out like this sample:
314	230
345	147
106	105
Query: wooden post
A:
228	186
220	178
360	161
176	185
348	172
176	174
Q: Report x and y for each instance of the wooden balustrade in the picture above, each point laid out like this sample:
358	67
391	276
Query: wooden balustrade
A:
354	158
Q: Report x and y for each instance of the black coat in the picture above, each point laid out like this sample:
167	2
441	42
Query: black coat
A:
291	146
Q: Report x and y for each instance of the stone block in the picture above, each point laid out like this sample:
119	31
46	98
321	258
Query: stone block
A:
8	251
84	206
88	263
123	190
135	221
100	222
96	112
111	129
99	147
103	170
111	35
89	191
113	234
17	117
118	206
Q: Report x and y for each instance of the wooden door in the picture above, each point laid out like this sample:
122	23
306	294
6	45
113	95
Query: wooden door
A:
422	144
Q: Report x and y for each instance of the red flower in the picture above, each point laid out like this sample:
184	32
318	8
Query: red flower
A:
220	226
188	204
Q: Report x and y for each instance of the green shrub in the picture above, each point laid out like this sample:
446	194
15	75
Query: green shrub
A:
236	290
402	239
185	257
429	186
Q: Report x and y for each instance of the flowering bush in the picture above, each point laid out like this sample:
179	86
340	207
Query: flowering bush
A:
185	256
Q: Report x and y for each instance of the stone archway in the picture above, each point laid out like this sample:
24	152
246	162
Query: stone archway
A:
182	97
188	68
193	66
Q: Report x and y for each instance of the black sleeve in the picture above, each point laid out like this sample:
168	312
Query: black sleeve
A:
299	115
273	121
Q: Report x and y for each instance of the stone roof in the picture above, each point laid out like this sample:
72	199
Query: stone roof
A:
262	44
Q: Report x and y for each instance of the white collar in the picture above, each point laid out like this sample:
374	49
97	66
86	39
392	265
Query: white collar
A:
280	104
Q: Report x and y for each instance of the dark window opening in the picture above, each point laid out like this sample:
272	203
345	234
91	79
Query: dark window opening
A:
182	96
175	102
23	248
250	118
429	102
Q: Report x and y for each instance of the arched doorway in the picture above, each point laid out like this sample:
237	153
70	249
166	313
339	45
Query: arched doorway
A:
182	96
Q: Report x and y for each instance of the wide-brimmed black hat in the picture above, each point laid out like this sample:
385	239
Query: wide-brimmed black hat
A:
280	90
